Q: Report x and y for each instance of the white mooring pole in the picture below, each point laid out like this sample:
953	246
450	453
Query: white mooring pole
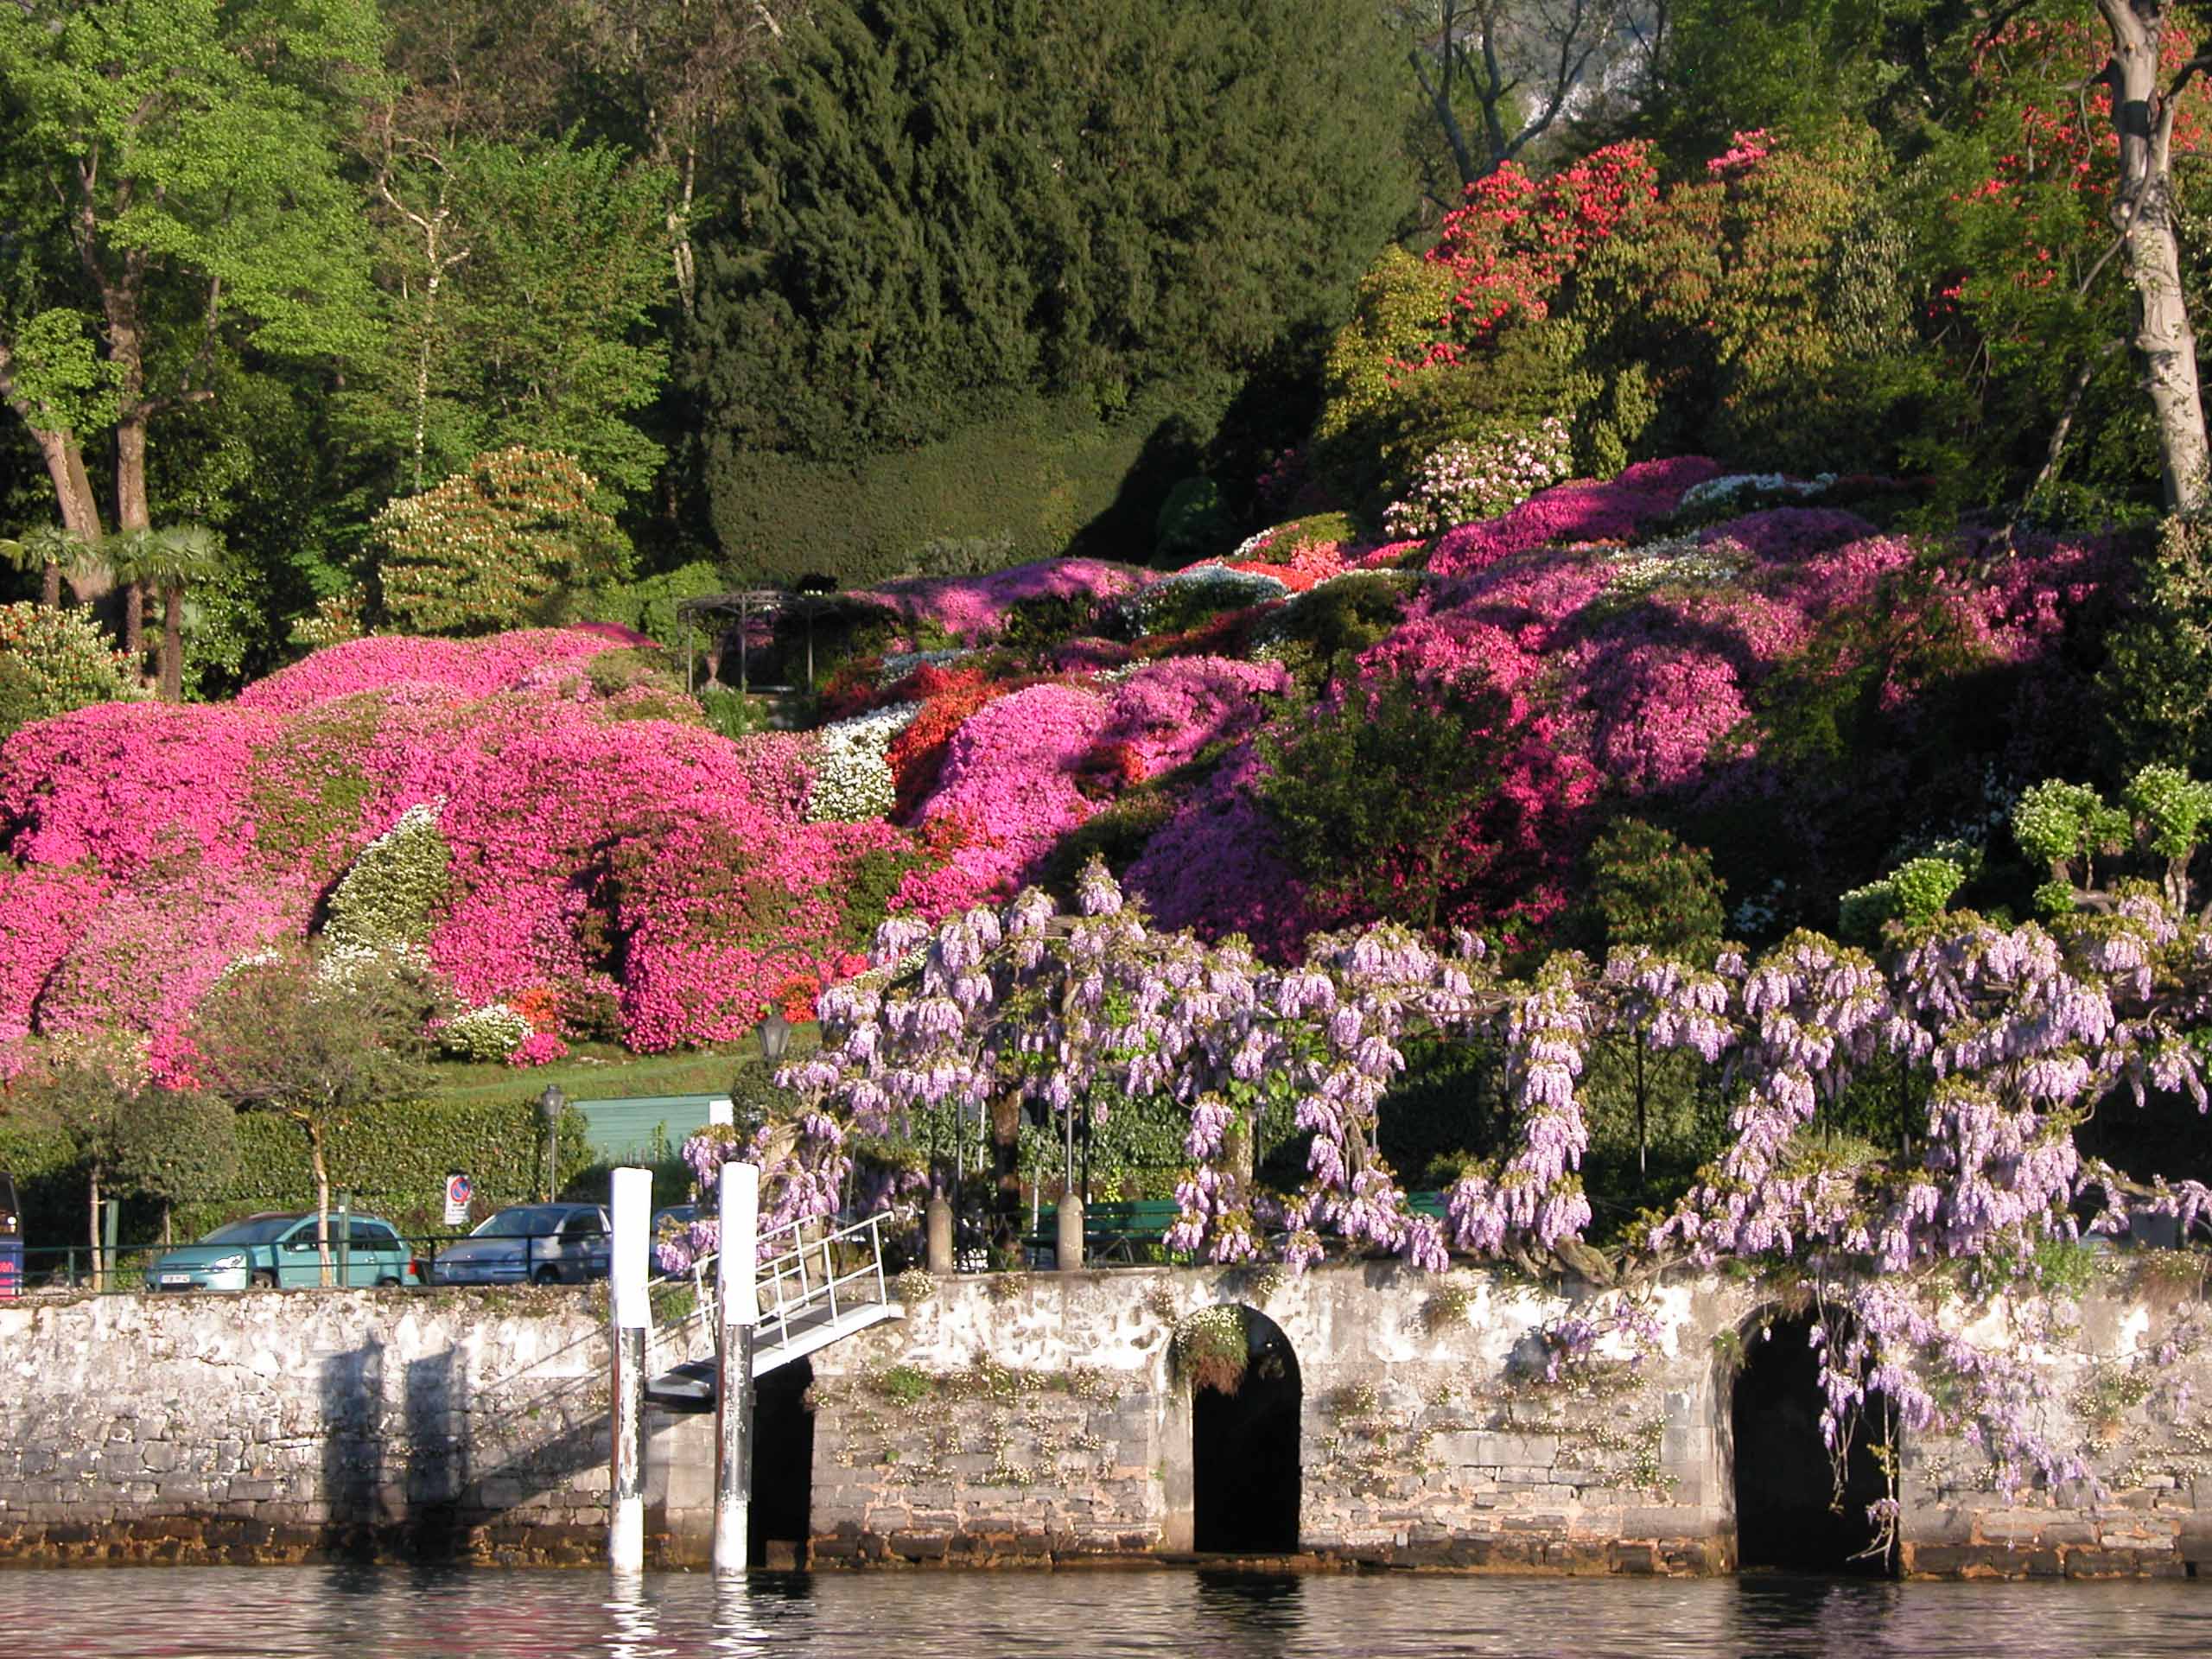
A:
632	1207
735	1294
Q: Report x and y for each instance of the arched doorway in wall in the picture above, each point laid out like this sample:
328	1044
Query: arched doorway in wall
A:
1789	1513
780	1517
1244	1432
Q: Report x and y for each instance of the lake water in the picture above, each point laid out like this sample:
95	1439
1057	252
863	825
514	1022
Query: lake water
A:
336	1612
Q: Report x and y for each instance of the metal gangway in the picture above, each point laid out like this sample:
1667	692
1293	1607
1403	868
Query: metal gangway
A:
816	1286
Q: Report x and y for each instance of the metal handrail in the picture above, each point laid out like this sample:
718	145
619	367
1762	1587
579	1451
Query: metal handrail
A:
812	1262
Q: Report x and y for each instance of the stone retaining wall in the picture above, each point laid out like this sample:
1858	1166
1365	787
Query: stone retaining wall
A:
1041	1417
285	1425
1044	1418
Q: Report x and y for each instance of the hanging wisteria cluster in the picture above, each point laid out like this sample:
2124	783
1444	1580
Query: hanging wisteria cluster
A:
2015	1029
2010	1031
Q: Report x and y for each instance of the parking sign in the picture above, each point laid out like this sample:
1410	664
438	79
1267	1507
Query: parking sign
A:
459	1191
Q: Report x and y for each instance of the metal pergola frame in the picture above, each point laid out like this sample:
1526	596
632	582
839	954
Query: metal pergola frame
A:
741	605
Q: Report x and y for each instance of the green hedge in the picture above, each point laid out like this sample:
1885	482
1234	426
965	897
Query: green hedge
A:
1046	476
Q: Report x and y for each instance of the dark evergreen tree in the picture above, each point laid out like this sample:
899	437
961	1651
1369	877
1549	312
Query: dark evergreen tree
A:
947	202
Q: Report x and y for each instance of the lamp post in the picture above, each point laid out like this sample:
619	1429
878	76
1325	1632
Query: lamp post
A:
775	1034
550	1104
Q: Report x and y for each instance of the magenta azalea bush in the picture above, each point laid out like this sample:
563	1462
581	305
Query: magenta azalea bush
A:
976	608
655	882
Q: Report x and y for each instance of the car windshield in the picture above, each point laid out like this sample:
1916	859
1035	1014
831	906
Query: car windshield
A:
519	1223
258	1230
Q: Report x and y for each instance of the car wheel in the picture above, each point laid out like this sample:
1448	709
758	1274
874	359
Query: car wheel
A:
549	1276
387	1283
263	1278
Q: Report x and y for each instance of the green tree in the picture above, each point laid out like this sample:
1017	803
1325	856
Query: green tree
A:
1365	796
944	200
1648	887
170	561
520	281
315	1042
170	167
50	550
175	1147
503	545
82	1088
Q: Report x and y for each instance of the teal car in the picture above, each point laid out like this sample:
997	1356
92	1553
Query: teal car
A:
269	1250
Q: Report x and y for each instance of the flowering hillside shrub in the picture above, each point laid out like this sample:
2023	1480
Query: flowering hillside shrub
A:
494	546
1180	600
473	668
1480	477
853	781
976	608
396	888
662	881
1010	778
1574	512
52	661
491	1033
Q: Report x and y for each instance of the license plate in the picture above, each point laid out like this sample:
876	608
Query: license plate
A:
176	1278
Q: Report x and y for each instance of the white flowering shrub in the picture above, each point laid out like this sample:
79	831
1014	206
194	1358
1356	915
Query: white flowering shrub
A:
1188	596
852	779
897	664
1671	561
1717	492
390	895
1480	477
491	1033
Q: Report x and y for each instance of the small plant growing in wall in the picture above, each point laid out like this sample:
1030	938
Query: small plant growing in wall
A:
1004	1288
914	1287
1255	1285
1211	1349
2111	1391
902	1385
1159	1302
1447	1310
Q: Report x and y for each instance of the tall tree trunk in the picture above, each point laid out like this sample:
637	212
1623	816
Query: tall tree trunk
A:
321	1192
2143	212
134	626
1005	1170
61	451
49	586
172	672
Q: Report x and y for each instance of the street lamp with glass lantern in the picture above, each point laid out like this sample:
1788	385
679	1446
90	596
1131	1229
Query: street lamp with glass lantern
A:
775	1034
550	1104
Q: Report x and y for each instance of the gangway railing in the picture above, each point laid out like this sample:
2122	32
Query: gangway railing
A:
806	1285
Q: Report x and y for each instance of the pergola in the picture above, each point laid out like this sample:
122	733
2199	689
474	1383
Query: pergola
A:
741	606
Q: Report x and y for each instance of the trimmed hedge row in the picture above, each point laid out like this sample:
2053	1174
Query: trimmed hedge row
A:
1046	477
393	1158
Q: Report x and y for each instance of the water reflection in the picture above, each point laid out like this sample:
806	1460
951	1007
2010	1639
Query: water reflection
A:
358	1612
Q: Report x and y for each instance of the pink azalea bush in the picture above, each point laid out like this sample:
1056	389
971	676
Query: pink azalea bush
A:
653	880
476	668
976	608
1581	511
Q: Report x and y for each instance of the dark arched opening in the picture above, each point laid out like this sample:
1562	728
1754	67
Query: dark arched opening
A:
1244	1435
1789	1513
781	1516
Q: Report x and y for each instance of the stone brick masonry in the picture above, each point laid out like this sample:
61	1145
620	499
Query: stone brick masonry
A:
1039	1418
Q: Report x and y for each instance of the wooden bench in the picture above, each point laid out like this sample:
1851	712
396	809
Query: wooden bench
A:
1113	1229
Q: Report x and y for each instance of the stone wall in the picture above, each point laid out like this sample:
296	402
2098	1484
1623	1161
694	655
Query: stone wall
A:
288	1426
1047	1417
1042	1417
2126	1373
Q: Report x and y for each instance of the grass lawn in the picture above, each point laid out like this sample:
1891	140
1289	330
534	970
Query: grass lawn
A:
607	1071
